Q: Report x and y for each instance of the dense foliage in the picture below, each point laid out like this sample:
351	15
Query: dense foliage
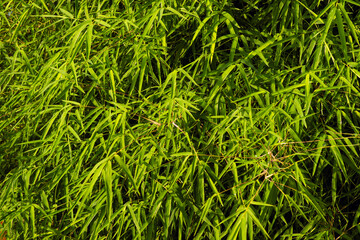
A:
166	119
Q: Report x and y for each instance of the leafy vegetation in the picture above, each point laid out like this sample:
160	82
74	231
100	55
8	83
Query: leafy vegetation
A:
165	119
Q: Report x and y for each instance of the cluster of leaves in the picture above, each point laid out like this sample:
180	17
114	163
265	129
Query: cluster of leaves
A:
166	119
